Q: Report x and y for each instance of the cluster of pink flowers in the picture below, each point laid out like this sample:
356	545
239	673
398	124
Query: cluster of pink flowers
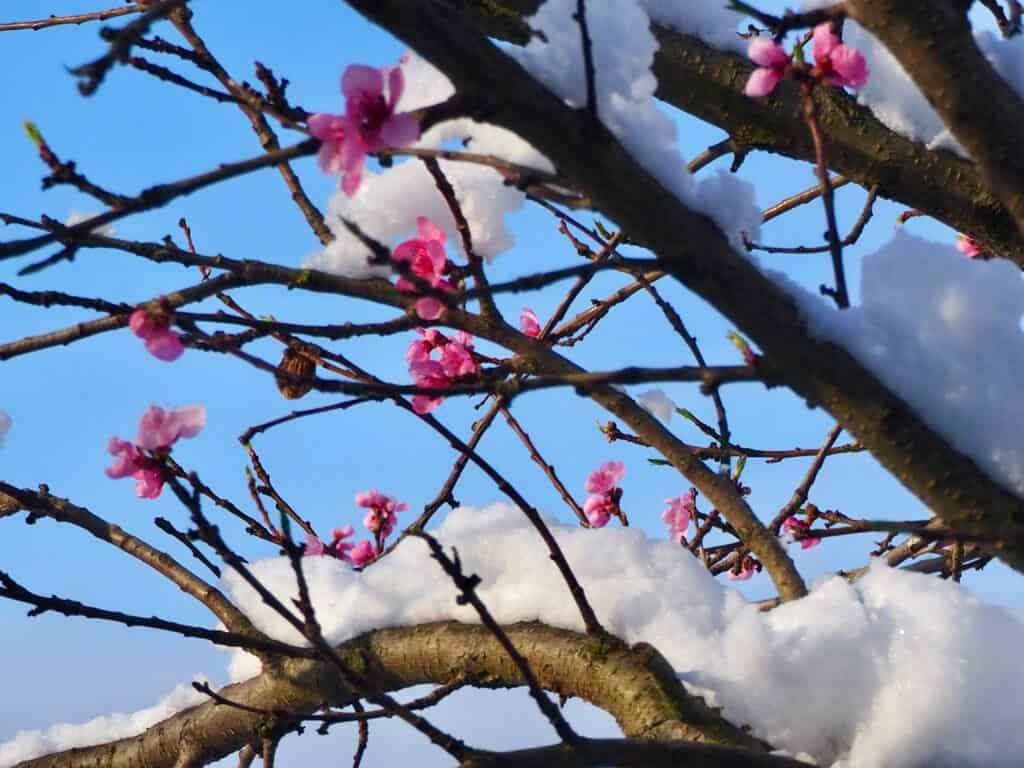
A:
380	521
605	494
528	323
368	125
799	530
744	569
455	361
834	63
158	431
678	514
153	325
427	260
968	246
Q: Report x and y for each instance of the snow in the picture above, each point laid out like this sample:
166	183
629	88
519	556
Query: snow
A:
943	332
77	217
898	103
389	201
710	20
868	672
28	744
657	403
895	671
623	49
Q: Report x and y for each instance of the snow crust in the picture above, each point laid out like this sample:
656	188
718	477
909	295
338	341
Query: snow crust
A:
943	332
118	725
388	202
895	671
710	20
898	103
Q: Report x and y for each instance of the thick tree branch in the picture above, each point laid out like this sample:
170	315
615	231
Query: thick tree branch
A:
697	253
708	83
635	685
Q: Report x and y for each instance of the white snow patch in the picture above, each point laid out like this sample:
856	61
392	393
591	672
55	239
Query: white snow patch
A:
76	217
657	403
118	725
943	332
898	670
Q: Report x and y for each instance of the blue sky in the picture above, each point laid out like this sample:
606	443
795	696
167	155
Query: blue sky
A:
67	402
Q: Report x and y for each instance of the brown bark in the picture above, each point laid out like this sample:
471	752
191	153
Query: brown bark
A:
635	685
697	253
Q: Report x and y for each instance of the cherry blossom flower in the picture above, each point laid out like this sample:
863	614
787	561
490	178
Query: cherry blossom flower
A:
799	530
528	323
428	373
338	547
368	125
678	515
153	325
161	429
968	246
5	427
380	520
363	553
836	63
427	260
457	356
773	63
420	350
605	493
745	571
132	462
313	547
456	361
143	459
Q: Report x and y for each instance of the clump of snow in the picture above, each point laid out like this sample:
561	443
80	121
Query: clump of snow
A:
623	50
76	217
710	20
389	201
943	332
28	744
898	670
657	403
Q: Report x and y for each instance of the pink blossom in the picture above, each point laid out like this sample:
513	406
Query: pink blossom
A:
772	61
420	350
313	546
968	246
599	508
153	326
160	429
381	518
368	125
363	553
457	356
338	546
746	570
605	478
799	530
131	462
605	493
143	459
678	515
428	373
427	260
456	360
528	323
836	63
